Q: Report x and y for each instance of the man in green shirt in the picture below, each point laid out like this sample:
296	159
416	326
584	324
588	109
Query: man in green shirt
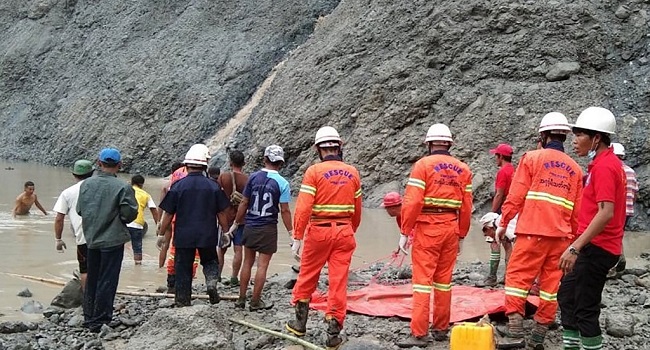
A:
106	204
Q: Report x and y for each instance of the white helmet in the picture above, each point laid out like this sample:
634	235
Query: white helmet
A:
197	155
488	220
327	136
597	119
555	122
619	150
439	132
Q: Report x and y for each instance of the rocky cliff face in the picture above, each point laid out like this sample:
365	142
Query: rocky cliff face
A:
149	77
383	71
154	77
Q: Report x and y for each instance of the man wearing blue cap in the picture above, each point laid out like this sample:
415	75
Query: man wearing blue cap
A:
106	204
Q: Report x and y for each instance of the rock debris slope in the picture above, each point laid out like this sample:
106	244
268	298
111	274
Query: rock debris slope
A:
383	71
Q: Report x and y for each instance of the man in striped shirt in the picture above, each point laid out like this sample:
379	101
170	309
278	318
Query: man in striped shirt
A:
632	189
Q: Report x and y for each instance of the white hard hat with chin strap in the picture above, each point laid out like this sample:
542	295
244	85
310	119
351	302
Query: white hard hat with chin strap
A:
596	119
439	132
554	123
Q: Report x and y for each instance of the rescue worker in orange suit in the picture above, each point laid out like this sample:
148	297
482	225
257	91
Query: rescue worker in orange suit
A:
546	193
437	207
328	213
164	245
601	225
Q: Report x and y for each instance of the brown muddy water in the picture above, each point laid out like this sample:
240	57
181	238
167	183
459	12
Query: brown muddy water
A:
28	242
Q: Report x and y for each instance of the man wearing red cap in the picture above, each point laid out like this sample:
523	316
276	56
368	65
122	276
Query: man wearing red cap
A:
503	157
393	204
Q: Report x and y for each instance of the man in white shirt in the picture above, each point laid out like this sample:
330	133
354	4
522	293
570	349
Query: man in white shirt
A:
490	222
66	204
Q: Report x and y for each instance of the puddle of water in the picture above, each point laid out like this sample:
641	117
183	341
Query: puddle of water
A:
28	242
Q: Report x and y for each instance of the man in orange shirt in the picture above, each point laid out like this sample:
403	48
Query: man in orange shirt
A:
329	210
545	192
437	207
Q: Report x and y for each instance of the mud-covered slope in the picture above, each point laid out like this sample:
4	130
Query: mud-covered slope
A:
149	77
383	71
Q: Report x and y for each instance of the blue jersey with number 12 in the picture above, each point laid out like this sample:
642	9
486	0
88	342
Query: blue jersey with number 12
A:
265	190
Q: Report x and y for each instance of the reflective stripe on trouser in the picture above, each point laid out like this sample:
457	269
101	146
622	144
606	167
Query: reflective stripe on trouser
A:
171	267
434	255
534	256
333	245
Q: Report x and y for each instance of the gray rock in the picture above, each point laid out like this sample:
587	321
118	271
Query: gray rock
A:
70	297
25	293
93	344
562	71
167	302
186	328
76	321
622	12
105	330
32	307
362	344
52	310
13	327
620	325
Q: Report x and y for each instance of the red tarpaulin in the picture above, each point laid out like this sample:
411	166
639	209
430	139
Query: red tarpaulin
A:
388	301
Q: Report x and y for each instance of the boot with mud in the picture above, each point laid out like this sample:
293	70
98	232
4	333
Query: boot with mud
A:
439	335
171	284
299	325
182	300
334	339
241	303
213	293
489	281
513	334
257	305
413	341
536	340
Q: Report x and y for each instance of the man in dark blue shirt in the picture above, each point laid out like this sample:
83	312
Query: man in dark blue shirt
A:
198	203
266	196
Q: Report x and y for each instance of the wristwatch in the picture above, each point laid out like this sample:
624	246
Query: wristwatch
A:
573	250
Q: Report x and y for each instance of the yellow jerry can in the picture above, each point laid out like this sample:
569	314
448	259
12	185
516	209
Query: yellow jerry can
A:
472	336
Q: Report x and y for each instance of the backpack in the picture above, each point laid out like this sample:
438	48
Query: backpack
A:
235	196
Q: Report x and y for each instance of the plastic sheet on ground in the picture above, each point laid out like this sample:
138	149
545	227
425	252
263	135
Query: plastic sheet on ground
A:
396	300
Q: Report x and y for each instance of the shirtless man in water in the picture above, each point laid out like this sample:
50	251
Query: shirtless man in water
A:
25	201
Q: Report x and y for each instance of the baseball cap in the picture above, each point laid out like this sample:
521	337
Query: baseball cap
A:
274	153
82	167
110	155
503	149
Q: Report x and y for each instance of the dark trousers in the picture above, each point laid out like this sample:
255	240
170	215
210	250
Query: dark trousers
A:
581	290
104	267
183	262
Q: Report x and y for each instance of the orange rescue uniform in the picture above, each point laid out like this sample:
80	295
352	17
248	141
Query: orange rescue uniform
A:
171	269
437	207
328	213
546	192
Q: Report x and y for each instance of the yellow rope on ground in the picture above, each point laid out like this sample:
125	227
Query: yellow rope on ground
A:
299	341
120	292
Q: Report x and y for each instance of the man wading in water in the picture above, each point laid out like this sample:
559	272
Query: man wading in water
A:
25	200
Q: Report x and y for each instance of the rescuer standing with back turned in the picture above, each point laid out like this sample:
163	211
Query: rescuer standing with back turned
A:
328	213
438	206
546	193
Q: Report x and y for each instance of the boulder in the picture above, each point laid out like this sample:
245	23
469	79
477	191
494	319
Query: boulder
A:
25	293
562	71
70	297
186	328
619	325
32	307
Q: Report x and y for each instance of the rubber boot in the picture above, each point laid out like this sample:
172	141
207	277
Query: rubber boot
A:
515	326
299	325
211	272
413	341
171	284
491	279
439	335
538	334
571	339
334	339
592	342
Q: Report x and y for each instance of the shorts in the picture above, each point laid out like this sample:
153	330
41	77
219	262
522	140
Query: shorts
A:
82	258
238	238
262	239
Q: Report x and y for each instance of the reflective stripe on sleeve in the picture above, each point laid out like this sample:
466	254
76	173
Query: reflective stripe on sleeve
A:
416	183
308	189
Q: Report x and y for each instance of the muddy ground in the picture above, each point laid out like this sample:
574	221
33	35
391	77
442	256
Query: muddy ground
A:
154	323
